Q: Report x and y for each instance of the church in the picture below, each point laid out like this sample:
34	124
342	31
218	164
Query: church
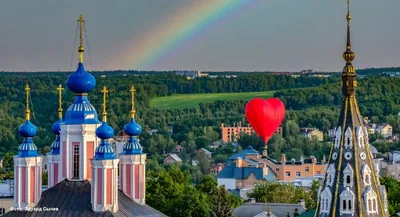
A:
85	177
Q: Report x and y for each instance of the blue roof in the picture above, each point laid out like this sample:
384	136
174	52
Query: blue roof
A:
243	153
56	128
132	147
81	81
81	112
55	146
132	128
234	172
104	151
27	149
104	131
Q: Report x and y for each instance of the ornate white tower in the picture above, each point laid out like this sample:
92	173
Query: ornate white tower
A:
133	161
53	156
105	169
27	165
78	140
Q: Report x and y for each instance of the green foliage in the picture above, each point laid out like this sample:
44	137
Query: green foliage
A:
45	178
393	193
311	197
276	192
221	206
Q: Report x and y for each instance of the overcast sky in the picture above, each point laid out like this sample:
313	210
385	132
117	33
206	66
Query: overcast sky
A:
279	35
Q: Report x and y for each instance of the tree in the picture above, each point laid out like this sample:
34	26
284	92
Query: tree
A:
275	192
221	205
204	162
202	142
45	178
208	185
296	212
311	197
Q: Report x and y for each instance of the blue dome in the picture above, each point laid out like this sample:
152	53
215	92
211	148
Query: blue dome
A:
55	146
81	112
27	129
132	128
81	81
27	149
56	128
105	131
104	151
131	147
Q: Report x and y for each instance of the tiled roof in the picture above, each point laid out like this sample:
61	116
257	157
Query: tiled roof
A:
278	209
72	198
234	172
243	153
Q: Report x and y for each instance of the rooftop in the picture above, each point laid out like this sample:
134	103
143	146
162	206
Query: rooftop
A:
278	209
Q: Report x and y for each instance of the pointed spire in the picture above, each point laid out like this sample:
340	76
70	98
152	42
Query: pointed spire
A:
27	110
104	114
349	73
81	21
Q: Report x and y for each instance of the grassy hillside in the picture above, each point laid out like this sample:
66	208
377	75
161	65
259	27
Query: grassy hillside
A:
192	100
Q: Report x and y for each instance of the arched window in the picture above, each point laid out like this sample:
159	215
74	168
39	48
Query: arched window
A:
326	205
369	205
344	204
329	178
374	204
348	141
323	204
348	180
367	179
349	204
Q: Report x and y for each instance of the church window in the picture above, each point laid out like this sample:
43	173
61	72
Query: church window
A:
348	180
374	204
369	205
323	204
329	178
76	161
367	179
344	205
349	204
348	141
326	205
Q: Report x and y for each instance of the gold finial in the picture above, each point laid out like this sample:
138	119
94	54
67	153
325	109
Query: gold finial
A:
104	91
27	110
60	110
349	73
133	101
81	21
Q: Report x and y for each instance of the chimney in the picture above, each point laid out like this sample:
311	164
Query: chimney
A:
239	162
265	153
283	159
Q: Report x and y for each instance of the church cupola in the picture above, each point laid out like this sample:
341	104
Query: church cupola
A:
27	165
104	168
78	140
53	157
133	160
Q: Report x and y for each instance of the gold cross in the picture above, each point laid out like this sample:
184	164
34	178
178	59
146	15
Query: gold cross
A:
133	101
81	21
60	110
27	110
104	91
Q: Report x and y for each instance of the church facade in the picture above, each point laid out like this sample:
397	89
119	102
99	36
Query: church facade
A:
85	176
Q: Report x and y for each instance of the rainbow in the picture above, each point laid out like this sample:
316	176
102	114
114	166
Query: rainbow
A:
186	23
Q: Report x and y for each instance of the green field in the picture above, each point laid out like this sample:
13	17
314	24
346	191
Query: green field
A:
192	100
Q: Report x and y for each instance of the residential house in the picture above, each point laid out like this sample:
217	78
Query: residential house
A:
312	133
232	134
216	168
300	173
253	209
172	159
205	152
385	130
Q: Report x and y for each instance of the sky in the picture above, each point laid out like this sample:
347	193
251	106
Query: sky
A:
253	35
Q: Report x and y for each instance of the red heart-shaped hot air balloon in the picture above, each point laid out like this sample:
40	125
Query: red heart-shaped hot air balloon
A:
265	116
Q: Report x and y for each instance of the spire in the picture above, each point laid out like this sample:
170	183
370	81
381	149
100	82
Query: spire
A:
104	114
348	74
27	110
56	128
81	21
133	101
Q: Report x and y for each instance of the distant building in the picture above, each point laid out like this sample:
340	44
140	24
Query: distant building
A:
312	133
232	133
172	159
216	168
192	74
391	74
205	152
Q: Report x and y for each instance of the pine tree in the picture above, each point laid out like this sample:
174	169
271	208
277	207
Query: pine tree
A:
296	213
221	206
